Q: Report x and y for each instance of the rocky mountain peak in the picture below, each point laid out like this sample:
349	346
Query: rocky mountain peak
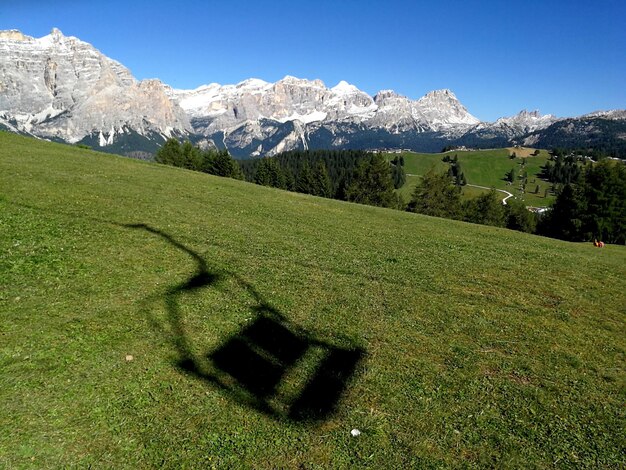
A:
523	122
525	114
385	94
14	35
60	87
528	118
614	114
439	97
302	82
344	88
250	83
57	38
443	93
443	108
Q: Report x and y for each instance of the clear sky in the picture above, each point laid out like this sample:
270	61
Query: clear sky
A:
564	57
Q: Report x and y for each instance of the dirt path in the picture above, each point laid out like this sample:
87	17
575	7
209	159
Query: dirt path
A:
508	194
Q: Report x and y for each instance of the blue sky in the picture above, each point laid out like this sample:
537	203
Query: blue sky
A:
561	57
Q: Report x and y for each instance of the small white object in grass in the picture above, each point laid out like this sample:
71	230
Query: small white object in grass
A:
355	432
129	357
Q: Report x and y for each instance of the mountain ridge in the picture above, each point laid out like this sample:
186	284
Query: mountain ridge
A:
61	88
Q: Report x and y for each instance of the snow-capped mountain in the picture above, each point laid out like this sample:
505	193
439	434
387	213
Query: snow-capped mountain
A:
525	121
309	101
63	88
510	128
219	111
614	115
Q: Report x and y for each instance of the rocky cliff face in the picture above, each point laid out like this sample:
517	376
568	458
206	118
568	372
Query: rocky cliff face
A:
61	87
308	101
220	112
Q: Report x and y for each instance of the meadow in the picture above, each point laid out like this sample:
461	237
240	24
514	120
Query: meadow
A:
156	317
485	168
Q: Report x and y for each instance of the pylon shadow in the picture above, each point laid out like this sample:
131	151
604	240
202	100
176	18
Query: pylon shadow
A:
252	365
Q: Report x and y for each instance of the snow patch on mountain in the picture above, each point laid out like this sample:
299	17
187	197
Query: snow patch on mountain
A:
306	118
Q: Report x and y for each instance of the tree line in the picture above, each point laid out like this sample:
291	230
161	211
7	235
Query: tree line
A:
349	175
592	206
590	202
561	169
186	155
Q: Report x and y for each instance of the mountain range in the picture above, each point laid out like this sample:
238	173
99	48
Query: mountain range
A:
60	88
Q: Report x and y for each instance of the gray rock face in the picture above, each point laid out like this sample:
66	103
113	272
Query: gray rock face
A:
224	108
259	107
61	87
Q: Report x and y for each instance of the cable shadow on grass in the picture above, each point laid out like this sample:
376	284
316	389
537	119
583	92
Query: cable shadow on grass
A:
253	365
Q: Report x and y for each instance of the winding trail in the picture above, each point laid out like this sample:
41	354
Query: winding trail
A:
508	194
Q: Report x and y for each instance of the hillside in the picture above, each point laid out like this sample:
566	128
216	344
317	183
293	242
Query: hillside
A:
157	317
484	168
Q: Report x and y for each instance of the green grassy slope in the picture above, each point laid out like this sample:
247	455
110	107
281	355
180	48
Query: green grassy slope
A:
483	168
477	345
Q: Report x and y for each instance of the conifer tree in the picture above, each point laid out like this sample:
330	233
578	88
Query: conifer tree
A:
399	176
276	175
304	180
437	195
322	184
604	191
191	158
510	175
519	218
170	153
372	183
290	181
565	219
262	175
486	209
222	164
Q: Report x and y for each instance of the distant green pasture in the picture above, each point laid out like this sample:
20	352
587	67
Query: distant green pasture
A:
484	168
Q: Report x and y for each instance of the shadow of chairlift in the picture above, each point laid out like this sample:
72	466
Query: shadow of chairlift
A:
252	364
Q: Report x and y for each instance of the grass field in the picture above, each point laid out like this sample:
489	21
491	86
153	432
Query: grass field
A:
484	168
524	152
156	317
